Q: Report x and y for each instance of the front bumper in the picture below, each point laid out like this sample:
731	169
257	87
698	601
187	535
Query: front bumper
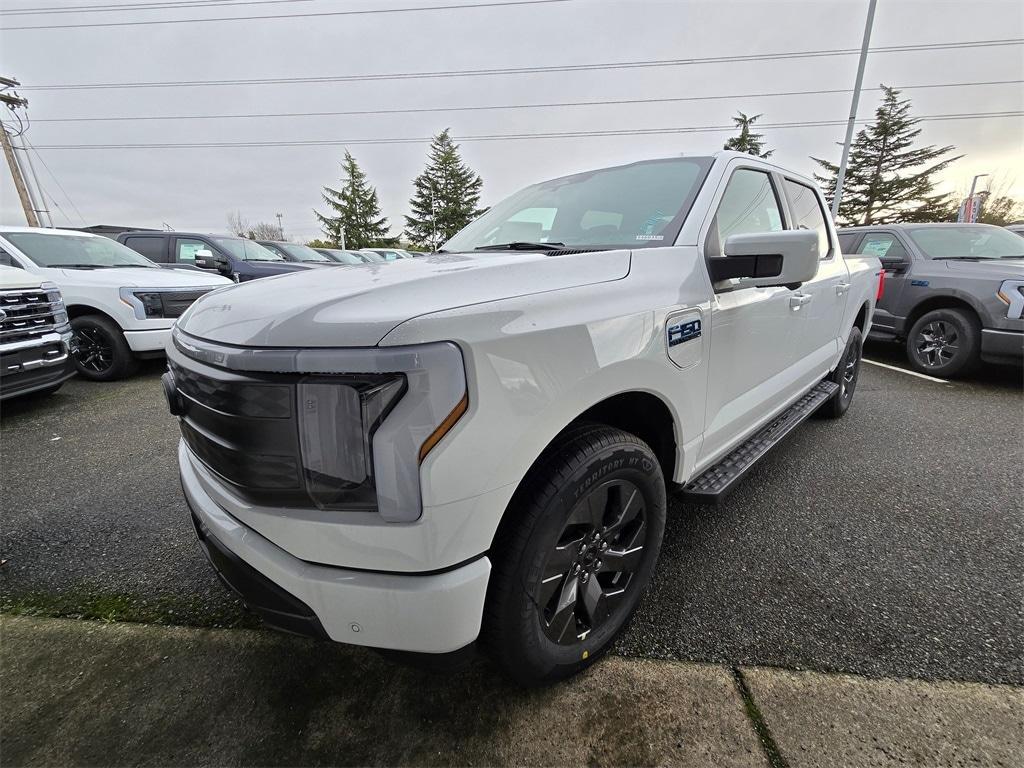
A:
148	341
1002	346
424	613
29	366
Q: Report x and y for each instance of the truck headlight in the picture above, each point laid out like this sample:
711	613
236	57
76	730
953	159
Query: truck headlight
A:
146	304
60	315
1011	293
342	429
338	417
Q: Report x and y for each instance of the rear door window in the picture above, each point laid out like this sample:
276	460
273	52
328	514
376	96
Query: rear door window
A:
153	247
848	241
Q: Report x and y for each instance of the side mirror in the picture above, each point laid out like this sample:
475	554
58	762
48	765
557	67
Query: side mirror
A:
893	263
767	259
206	260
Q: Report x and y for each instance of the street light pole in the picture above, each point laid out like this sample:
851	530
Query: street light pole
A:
841	176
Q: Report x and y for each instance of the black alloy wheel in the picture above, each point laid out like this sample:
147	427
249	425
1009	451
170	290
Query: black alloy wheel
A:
593	563
937	343
845	375
944	342
573	554
99	349
93	351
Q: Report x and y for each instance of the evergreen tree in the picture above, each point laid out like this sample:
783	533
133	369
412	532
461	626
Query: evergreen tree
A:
356	211
887	179
751	143
446	195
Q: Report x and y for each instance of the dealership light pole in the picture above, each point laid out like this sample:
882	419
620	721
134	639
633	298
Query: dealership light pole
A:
841	176
967	209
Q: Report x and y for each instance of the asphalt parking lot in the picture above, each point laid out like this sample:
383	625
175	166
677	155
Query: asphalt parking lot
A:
890	543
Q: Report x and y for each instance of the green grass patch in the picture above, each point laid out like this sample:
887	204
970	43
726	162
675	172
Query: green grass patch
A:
85	603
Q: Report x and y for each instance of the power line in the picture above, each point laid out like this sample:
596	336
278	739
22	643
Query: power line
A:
279	16
639	64
156	6
490	107
512	137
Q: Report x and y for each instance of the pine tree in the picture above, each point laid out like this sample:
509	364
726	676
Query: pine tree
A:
887	180
446	195
751	143
356	211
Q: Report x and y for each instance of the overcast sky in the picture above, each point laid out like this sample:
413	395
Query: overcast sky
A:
194	189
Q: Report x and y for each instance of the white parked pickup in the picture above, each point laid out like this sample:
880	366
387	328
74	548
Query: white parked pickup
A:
474	448
121	304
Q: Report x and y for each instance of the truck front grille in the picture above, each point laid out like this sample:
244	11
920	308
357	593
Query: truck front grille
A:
28	314
176	302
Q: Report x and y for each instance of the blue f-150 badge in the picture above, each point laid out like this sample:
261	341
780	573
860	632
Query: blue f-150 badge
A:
677	334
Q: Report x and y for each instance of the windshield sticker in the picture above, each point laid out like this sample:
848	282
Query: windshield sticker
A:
650	237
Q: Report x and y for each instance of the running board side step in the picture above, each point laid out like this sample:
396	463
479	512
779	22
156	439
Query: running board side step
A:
716	482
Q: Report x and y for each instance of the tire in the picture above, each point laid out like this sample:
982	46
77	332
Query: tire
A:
845	375
944	342
594	501
99	349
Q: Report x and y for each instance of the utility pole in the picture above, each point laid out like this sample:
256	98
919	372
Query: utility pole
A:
36	189
280	226
12	101
841	176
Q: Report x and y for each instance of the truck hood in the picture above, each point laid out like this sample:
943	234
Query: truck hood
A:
132	277
357	306
1005	269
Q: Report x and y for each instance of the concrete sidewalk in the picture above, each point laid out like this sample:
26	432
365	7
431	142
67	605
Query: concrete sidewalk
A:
88	693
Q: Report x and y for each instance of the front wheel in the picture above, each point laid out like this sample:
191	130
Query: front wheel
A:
574	558
99	349
944	342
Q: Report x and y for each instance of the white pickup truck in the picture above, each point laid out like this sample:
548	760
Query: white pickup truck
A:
474	448
121	304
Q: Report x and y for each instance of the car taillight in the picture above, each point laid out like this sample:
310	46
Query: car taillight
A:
881	286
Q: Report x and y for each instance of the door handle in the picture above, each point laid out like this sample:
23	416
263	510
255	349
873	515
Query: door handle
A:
795	302
842	288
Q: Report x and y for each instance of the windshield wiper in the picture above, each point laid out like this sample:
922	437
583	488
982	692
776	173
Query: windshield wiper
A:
522	246
77	266
964	258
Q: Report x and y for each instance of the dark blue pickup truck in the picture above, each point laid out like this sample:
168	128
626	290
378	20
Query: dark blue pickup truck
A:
227	255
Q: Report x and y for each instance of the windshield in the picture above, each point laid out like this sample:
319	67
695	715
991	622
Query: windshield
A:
642	205
980	241
76	251
246	250
301	252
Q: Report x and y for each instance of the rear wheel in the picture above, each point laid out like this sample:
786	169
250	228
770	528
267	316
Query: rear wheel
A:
572	562
99	349
944	342
845	375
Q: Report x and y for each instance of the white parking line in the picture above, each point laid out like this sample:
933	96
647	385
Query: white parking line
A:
909	373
